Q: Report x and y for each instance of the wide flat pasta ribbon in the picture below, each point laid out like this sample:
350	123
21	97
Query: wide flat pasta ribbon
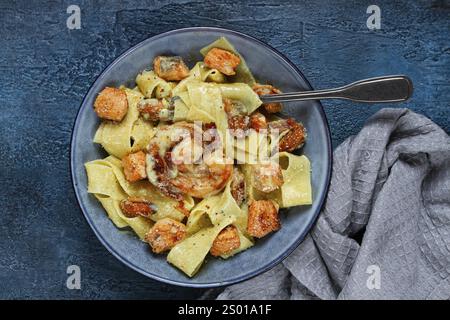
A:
102	182
243	73
115	137
296	189
189	254
107	182
151	85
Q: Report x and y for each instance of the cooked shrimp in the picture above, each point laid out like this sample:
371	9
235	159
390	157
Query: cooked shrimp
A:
262	218
266	177
226	241
234	107
165	234
155	110
239	125
222	60
263	89
293	134
258	121
173	164
202	180
238	122
111	104
134	166
170	68
134	207
159	173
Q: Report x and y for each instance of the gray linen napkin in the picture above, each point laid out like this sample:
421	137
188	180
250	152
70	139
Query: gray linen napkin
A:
391	187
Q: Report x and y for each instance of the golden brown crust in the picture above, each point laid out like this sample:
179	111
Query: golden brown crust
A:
258	121
111	104
238	122
222	60
134	166
295	137
165	234
170	68
273	107
262	218
150	109
227	241
264	89
134	207
239	125
266	177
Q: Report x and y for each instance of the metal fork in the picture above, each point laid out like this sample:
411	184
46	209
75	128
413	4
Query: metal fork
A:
380	89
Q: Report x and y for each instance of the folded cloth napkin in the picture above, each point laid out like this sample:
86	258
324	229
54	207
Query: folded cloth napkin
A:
384	230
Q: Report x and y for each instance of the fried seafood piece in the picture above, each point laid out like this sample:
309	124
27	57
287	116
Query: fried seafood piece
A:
293	134
258	121
266	177
226	241
238	121
234	107
262	218
170	68
237	186
134	207
155	109
134	166
264	89
239	125
222	60
165	234
111	104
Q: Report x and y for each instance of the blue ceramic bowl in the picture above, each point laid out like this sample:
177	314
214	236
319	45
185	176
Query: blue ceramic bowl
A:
269	66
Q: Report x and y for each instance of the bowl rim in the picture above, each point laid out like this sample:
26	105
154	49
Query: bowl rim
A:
186	283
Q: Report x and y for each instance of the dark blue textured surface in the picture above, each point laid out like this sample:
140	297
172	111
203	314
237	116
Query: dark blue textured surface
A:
45	70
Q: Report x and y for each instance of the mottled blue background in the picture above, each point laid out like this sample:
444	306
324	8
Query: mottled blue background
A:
45	70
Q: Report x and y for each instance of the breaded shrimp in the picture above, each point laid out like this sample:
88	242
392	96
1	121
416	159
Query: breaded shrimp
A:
238	121
266	177
293	134
258	121
262	218
134	166
222	60
165	234
111	104
226	241
238	125
134	207
170	68
264	89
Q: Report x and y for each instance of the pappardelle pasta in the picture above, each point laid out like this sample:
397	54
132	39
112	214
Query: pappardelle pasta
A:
197	164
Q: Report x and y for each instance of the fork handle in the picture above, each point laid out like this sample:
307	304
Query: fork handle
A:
380	89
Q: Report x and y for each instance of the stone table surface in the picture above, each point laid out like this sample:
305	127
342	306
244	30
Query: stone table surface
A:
46	69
